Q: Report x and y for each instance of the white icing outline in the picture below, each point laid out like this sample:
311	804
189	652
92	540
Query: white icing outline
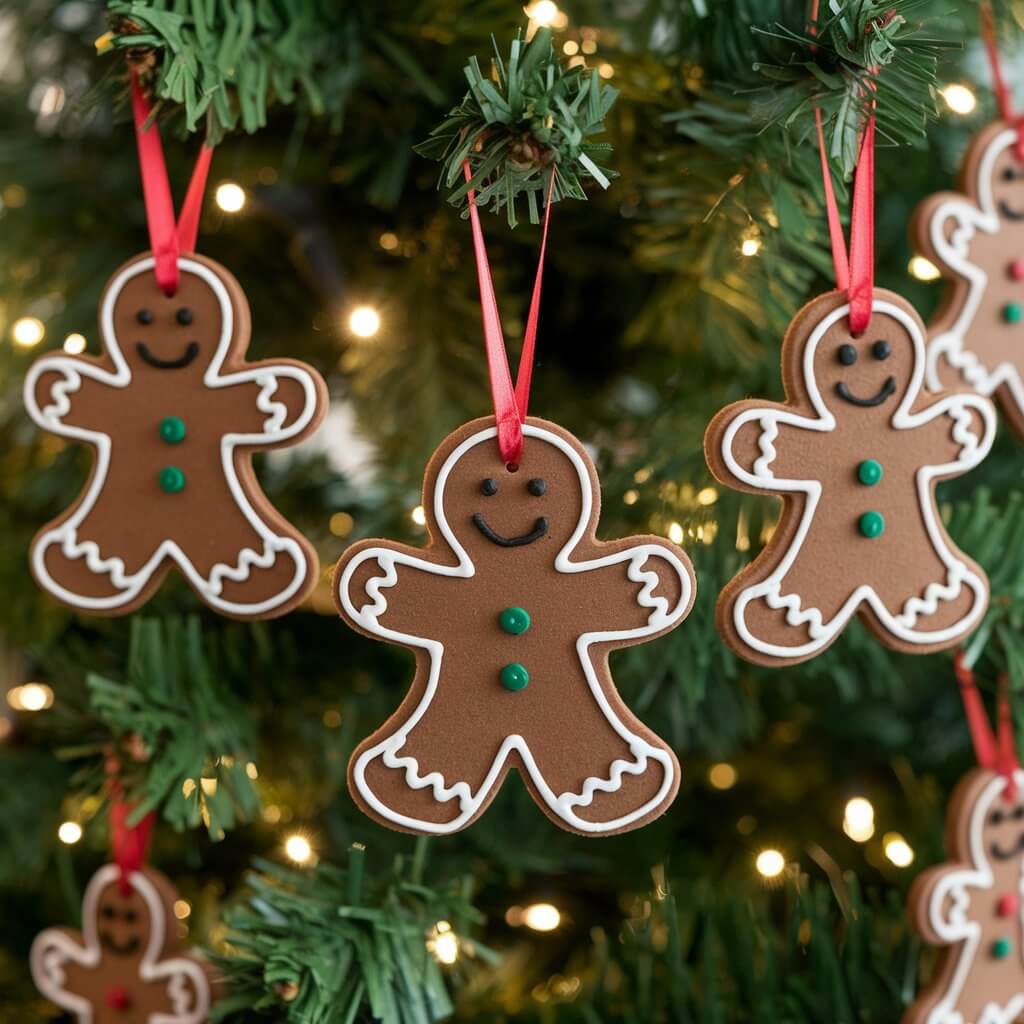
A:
954	252
762	478
53	948
562	805
274	432
957	927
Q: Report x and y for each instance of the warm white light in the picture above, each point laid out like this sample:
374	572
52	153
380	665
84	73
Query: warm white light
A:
898	850
30	697
28	331
605	70
298	848
251	770
543	12
418	516
959	99
675	533
364	321
750	247
722	776
69	832
770	863
923	269
542	917
74	344
443	943
230	197
707	496
859	819
182	908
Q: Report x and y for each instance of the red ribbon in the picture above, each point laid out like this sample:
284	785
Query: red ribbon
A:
1005	99
166	238
128	843
995	752
854	274
510	404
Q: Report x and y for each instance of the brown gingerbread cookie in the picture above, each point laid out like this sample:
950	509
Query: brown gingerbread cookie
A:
976	238
855	456
511	611
174	413
972	906
124	967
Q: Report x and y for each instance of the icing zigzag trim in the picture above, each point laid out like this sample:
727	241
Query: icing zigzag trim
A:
277	412
769	432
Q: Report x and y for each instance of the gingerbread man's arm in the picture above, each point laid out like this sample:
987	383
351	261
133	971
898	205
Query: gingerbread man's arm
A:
62	967
959	429
189	989
944	226
70	396
393	592
761	447
644	586
941	898
272	403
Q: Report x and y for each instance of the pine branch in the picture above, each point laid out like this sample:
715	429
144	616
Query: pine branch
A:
531	118
325	946
183	740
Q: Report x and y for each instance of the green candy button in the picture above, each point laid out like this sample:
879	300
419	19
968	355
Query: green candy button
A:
172	429
1012	312
871	525
869	472
172	480
514	676
514	620
1001	948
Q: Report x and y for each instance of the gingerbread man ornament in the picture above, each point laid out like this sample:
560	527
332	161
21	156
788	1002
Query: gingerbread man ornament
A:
124	966
511	611
976	238
855	456
972	906
174	413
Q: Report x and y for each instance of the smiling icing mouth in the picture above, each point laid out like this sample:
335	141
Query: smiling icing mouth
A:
191	351
539	529
1009	212
125	948
1000	854
847	396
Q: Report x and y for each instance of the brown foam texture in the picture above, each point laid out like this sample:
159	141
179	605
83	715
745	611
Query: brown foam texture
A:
835	558
132	515
471	714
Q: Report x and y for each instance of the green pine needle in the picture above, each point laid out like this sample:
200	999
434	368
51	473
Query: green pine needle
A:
530	119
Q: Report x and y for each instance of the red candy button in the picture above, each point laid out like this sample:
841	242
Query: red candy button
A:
1008	904
118	998
1016	270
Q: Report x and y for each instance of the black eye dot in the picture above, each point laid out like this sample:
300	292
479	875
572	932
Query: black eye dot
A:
489	487
144	316
996	818
108	913
1009	174
130	916
881	350
1018	813
183	316
847	355
537	486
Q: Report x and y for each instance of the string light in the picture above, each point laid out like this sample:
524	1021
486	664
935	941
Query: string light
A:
923	269
332	718
182	909
543	12
389	241
252	771
675	533
707	496
69	833
30	697
28	331
631	497
750	247
340	524
722	776
298	848
74	344
542	917
418	516
605	70
898	850
770	863
589	46
570	47
364	321
959	99
443	943
859	819
230	197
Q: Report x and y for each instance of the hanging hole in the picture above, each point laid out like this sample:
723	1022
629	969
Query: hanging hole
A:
512	467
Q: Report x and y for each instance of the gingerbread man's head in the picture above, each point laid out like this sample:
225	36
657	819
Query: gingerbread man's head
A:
993	172
164	339
491	511
990	821
124	922
877	374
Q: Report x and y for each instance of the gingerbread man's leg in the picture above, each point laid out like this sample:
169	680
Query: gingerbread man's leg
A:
593	766
434	766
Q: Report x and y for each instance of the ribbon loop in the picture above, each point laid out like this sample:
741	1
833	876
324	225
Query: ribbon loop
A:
995	751
167	238
1003	95
510	403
